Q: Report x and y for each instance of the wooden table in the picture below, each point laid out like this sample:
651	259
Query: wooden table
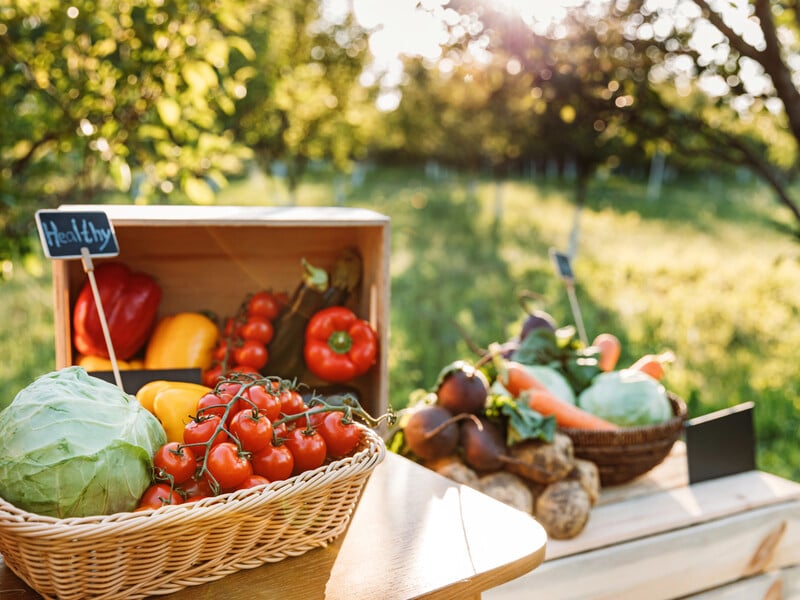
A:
414	534
733	538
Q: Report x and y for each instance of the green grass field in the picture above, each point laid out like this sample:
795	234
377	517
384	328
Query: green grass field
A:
706	270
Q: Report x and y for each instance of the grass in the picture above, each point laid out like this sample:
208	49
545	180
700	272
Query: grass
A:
704	271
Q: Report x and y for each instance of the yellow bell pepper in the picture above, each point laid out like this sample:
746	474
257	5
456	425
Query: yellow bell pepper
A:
99	363
148	392
182	341
173	403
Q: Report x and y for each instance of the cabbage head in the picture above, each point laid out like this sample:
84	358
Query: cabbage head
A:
72	445
627	398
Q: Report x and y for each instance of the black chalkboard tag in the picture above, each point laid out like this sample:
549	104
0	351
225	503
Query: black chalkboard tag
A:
562	265
134	379
721	443
65	233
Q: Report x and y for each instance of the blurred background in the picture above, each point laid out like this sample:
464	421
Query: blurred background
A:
655	142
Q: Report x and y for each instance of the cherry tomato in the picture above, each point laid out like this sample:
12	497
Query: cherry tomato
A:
227	465
252	429
212	375
251	353
257	328
308	449
264	304
175	461
292	402
221	351
159	494
252	481
280	433
341	437
228	389
211	404
196	488
273	462
263	399
202	430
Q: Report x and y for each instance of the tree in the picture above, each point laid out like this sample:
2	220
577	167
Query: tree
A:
304	100
725	70
106	95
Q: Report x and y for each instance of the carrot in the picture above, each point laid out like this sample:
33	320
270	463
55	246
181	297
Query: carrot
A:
610	349
566	414
521	383
517	379
653	364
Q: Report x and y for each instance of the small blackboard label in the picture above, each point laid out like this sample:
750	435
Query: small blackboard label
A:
721	443
562	265
64	233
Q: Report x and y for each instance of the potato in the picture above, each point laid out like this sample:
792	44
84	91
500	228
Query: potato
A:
587	474
509	489
563	509
454	468
541	461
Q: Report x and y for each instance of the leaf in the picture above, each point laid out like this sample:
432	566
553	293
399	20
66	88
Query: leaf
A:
198	190
523	423
199	76
169	111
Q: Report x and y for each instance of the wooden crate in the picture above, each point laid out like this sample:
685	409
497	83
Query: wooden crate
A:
210	258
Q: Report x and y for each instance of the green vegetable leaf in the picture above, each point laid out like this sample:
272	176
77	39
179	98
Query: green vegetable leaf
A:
523	423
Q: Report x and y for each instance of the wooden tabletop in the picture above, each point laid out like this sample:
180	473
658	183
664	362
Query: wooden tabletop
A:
414	534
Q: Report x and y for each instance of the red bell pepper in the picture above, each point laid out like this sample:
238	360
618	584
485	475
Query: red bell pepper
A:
338	345
130	302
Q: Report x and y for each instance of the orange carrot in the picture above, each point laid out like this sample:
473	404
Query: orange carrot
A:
610	349
653	364
517	379
521	383
566	414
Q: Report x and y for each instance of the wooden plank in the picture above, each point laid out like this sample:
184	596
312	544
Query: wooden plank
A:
767	586
672	509
670	565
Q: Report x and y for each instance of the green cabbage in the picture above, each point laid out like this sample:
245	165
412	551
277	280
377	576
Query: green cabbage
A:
72	445
627	397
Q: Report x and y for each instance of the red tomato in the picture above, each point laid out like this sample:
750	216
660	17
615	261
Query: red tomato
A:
341	437
227	466
204	432
228	389
252	481
211	404
252	429
264	304
292	402
251	353
273	462
308	449
264	400
159	494
196	488
212	375
220	351
174	461
257	328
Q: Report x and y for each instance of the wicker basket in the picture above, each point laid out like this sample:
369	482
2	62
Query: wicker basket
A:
139	554
624	454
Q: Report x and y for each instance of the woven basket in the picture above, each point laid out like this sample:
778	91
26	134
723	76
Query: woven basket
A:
624	454
139	554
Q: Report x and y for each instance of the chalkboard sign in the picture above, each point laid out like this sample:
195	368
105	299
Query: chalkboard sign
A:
64	233
562	265
721	443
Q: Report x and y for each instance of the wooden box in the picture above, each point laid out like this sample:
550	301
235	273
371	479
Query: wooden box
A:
210	258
